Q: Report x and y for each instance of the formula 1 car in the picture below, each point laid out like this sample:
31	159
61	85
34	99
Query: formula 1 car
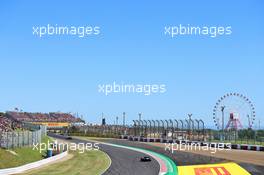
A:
145	159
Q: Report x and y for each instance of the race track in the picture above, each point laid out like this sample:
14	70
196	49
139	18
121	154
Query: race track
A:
185	158
123	161
125	156
126	161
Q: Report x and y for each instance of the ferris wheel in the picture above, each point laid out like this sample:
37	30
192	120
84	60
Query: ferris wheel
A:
234	111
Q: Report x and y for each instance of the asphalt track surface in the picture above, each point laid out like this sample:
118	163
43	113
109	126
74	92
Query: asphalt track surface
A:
184	158
123	161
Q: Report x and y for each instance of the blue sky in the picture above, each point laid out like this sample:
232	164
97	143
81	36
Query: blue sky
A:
62	73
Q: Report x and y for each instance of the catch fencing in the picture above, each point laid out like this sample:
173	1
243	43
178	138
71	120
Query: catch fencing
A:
28	137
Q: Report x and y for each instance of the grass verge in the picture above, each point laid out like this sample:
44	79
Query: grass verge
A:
87	163
20	156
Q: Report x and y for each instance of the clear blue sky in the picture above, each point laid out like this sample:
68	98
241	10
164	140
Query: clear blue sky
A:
62	73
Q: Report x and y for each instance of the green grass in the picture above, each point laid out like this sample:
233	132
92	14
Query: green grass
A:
23	156
87	163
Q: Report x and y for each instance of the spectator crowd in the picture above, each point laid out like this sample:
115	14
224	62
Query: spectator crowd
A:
12	120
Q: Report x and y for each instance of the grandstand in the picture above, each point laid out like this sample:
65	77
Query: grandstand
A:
7	124
51	120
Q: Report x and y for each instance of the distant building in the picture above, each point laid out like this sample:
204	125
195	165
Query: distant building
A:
103	121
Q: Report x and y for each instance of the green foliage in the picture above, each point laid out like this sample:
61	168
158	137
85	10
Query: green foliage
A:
87	163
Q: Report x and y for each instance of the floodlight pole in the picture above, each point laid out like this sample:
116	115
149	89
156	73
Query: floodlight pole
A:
138	128
124	118
139	116
146	127
135	125
116	120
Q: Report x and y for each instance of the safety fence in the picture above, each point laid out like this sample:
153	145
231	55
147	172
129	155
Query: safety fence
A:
32	135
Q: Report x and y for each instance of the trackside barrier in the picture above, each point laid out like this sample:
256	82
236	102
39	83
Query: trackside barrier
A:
29	166
162	140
